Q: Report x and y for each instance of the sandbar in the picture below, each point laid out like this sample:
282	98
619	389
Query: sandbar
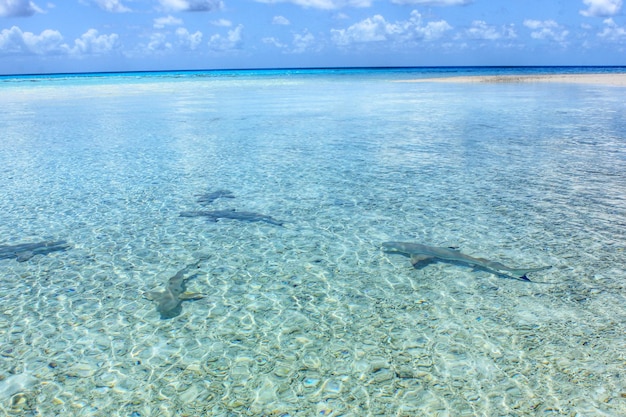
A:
616	80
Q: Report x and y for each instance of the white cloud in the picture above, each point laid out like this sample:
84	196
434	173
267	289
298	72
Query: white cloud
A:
224	43
48	42
158	43
222	23
601	8
434	2
91	43
546	30
303	42
167	42
192	5
372	29
611	31
432	30
161	22
280	20
18	8
274	41
377	28
188	40
323	4
114	6
481	30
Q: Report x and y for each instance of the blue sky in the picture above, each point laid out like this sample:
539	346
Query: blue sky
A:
122	35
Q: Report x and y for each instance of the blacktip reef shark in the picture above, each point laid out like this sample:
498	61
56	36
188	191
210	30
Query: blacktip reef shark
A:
169	301
244	216
24	251
423	254
206	199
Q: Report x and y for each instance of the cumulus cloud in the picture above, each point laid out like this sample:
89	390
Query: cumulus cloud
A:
481	30
92	43
188	40
611	31
377	28
372	29
280	20
50	42
302	42
601	8
18	8
546	30
113	6
434	2
192	5
158	43
161	22
231	41
323	4
274	41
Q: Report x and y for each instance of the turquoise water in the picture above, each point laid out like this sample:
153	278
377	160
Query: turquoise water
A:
312	317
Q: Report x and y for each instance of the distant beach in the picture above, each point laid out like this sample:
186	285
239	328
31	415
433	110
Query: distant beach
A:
617	80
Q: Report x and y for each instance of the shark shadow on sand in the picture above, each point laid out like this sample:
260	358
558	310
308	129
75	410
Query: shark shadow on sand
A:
422	255
24	251
244	216
169	300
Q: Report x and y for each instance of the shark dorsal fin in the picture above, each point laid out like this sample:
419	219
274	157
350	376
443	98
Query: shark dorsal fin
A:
416	259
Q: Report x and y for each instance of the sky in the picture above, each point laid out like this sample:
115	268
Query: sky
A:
41	36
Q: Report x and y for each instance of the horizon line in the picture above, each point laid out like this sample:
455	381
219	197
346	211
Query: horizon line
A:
92	73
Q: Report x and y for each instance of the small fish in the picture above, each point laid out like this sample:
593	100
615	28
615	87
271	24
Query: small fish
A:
25	251
169	301
422	254
244	216
206	199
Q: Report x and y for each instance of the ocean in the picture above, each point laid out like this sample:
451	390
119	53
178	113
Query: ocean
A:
209	243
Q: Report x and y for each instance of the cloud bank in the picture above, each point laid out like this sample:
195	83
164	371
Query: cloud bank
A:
378	29
50	42
546	30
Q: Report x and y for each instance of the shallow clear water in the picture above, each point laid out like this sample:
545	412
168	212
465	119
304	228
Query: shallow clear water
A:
312	318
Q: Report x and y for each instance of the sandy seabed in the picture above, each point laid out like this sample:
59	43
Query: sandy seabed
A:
618	80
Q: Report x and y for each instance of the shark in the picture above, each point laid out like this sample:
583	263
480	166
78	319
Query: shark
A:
169	300
206	199
245	216
423	254
24	251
